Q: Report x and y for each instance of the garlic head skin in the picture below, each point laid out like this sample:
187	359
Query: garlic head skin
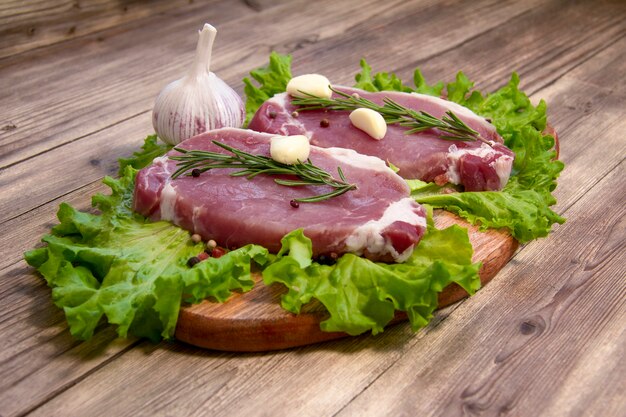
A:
187	108
198	102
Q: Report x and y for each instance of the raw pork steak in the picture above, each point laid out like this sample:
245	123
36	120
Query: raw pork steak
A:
377	220
475	165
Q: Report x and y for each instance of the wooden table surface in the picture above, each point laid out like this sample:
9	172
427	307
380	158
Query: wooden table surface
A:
545	337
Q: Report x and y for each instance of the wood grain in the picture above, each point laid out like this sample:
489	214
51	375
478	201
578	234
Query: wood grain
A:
500	350
8	176
537	55
545	337
35	189
26	25
99	99
538	336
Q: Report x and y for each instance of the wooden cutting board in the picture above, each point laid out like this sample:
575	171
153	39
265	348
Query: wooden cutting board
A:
254	321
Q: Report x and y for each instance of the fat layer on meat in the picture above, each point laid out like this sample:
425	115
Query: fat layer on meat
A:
378	220
422	155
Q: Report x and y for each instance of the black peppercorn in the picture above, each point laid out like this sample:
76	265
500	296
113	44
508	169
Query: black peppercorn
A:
324	123
195	172
327	259
192	261
294	204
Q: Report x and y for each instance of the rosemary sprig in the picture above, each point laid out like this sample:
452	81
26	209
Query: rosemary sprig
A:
451	126
194	162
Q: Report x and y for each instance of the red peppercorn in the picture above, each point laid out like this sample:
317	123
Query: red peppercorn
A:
294	204
203	256
218	252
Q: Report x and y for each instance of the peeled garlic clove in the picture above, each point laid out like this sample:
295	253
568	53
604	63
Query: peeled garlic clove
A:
290	149
369	121
198	102
314	84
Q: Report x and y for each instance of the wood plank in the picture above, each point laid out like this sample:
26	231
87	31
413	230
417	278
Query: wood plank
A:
35	343
522	44
218	374
541	56
8	177
99	97
558	317
22	232
25	25
489	332
586	161
67	168
601	70
27	301
60	363
224	377
38	202
349	366
25	231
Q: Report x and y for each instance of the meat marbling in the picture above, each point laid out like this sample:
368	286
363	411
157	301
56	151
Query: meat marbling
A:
475	165
378	220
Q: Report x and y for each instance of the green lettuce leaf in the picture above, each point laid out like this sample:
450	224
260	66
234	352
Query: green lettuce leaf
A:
378	82
523	206
383	81
272	80
149	150
118	265
362	295
422	87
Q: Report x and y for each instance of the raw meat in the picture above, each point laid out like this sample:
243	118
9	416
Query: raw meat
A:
475	165
378	220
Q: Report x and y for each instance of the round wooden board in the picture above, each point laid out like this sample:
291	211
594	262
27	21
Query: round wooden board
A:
254	321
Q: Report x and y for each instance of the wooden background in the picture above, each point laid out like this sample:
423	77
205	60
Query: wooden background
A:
545	337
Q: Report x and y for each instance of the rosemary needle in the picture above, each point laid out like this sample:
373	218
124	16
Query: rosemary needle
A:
194	162
451	126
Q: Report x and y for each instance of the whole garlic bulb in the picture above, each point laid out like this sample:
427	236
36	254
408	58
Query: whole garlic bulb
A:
198	102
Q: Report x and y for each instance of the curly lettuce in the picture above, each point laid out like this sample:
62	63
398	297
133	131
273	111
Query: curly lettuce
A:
150	149
361	295
523	206
272	80
133	272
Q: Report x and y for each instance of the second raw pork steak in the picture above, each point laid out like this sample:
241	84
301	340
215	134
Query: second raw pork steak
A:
423	155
